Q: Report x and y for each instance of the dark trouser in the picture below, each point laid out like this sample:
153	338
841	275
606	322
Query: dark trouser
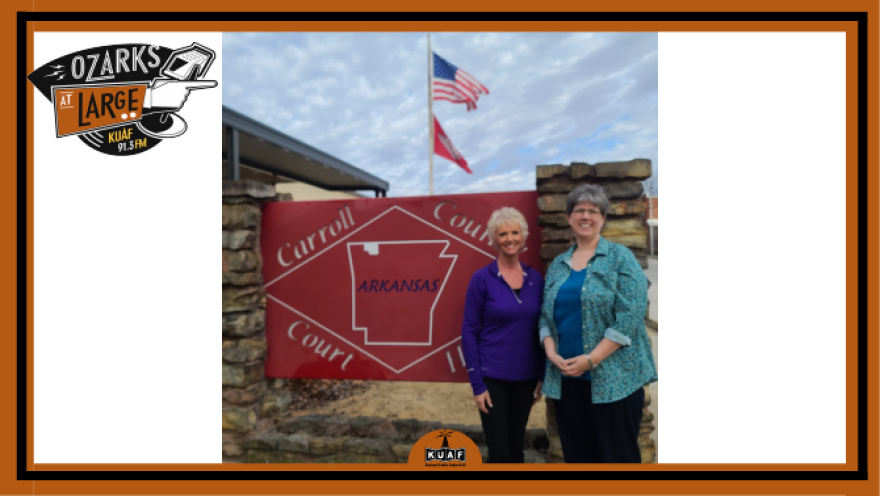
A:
505	424
598	432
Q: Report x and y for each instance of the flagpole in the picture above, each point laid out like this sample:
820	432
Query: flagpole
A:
430	116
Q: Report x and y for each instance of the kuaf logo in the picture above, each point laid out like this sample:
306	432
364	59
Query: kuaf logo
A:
452	452
445	454
123	99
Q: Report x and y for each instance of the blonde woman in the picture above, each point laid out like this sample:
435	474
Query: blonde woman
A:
499	339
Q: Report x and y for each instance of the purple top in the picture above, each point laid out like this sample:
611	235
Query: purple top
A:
499	336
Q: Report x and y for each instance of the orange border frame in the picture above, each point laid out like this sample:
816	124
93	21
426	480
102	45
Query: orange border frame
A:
8	482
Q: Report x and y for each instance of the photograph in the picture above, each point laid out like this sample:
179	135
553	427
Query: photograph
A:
382	283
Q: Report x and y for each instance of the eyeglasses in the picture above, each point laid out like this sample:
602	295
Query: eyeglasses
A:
591	212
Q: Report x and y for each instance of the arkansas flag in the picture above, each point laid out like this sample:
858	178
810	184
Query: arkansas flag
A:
443	147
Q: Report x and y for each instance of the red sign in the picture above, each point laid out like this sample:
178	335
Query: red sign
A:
374	288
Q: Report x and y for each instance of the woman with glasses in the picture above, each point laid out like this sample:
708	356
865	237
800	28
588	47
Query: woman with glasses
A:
499	339
593	333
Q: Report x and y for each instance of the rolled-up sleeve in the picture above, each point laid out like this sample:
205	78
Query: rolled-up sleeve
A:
631	302
470	331
544	332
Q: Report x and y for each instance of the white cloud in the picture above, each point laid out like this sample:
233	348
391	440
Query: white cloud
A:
362	97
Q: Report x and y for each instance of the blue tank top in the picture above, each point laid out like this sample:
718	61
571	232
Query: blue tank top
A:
567	316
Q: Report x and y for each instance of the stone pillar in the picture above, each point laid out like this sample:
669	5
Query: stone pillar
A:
646	445
622	183
248	398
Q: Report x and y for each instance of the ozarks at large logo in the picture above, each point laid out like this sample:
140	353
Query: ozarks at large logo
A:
123	99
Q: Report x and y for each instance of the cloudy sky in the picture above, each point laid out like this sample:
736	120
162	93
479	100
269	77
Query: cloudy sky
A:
555	98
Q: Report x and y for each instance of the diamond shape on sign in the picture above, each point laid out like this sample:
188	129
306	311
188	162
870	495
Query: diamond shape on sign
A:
405	277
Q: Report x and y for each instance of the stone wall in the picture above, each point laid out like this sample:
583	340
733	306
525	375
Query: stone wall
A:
622	183
249	400
340	439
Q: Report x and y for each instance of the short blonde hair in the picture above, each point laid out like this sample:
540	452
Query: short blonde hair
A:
506	215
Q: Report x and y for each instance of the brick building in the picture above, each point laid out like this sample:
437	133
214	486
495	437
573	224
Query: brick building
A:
650	222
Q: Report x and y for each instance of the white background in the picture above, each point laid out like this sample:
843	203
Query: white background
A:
127	307
752	137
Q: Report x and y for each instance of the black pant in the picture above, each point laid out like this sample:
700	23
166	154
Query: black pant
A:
598	432
505	424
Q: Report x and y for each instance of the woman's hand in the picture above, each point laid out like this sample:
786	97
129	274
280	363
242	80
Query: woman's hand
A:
559	362
482	400
575	367
537	393
550	351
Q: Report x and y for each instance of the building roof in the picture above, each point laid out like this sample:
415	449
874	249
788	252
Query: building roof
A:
268	155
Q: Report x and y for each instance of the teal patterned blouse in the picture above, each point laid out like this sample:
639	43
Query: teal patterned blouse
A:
614	300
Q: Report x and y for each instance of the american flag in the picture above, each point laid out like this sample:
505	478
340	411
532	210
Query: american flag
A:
454	85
